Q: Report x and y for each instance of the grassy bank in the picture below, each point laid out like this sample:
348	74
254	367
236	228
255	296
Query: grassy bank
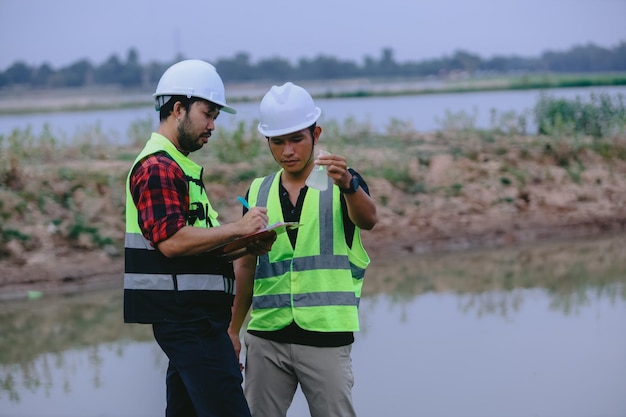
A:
457	188
488	83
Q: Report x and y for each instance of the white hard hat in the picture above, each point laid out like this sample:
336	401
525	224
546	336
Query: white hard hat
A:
286	109
192	78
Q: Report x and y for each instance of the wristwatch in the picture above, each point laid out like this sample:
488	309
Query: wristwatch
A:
354	185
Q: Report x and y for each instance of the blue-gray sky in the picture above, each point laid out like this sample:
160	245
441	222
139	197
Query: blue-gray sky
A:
61	32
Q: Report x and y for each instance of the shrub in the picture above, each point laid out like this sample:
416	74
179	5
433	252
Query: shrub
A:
601	116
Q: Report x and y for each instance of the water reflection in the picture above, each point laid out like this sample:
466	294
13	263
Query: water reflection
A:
488	281
534	330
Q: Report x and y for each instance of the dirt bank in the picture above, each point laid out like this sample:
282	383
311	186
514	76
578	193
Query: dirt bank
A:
404	229
63	219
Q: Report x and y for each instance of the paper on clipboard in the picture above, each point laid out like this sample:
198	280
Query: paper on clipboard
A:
282	226
262	234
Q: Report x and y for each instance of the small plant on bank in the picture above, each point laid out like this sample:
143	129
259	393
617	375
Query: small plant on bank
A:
242	144
140	131
454	190
458	122
600	116
86	236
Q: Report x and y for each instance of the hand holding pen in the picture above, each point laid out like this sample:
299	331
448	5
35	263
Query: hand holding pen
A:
261	246
255	218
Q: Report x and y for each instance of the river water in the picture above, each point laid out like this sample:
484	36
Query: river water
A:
527	331
422	112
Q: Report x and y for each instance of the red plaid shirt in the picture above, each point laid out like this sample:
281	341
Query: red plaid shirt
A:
161	196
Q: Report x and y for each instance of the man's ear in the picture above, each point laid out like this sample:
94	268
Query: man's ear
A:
178	110
317	132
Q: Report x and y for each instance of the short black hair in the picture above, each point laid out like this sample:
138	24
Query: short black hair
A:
185	101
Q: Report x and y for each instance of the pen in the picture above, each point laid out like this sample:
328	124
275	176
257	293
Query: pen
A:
243	202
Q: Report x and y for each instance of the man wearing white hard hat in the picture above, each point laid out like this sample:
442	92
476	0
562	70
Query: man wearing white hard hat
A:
171	281
305	291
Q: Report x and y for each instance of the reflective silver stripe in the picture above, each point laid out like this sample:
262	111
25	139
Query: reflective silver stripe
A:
317	299
186	282
309	263
271	301
148	282
137	241
264	190
207	282
266	269
325	216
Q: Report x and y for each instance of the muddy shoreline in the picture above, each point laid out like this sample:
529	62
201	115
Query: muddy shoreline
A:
89	271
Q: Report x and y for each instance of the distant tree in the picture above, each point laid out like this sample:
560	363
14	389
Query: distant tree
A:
465	61
42	75
132	57
497	63
387	65
273	69
588	58
154	70
78	74
424	68
593	58
131	73
619	59
325	67
109	72
370	65
19	73
237	68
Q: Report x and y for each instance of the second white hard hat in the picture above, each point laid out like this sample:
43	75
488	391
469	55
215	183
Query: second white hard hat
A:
192	78
286	109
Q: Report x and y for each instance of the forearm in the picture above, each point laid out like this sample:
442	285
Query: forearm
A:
193	240
361	209
244	285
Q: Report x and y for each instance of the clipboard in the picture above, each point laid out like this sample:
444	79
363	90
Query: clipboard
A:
265	233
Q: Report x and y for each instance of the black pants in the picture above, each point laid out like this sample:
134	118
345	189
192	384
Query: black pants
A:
203	377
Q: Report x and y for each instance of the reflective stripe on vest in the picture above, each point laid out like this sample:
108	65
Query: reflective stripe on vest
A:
166	282
305	300
184	282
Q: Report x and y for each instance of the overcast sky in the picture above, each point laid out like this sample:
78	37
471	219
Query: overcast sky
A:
61	32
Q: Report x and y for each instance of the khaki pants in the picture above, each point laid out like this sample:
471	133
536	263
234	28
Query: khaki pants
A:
273	371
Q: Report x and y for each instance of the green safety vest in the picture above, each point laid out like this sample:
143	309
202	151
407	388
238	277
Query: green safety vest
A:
186	288
318	283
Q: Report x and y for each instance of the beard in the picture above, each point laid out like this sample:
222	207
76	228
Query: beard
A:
186	140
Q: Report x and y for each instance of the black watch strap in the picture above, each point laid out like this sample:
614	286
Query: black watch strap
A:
354	185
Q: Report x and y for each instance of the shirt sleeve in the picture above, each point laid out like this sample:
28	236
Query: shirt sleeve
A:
161	196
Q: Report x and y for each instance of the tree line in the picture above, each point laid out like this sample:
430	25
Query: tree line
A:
130	73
